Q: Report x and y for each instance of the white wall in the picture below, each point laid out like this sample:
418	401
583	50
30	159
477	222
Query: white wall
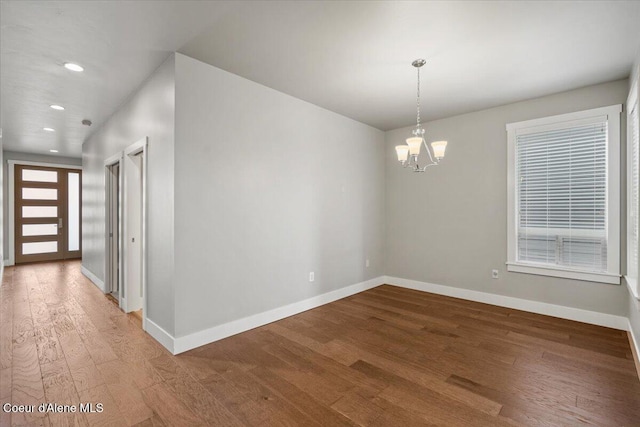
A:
148	112
30	157
448	225
268	188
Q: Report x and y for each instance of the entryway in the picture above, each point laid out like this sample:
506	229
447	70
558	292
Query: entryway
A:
47	213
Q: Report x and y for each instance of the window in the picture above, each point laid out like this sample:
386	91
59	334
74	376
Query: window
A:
633	199
564	195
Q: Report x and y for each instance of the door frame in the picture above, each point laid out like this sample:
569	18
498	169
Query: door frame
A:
115	159
11	200
139	147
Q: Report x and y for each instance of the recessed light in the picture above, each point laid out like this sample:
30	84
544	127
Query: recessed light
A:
53	151
49	129
57	107
73	67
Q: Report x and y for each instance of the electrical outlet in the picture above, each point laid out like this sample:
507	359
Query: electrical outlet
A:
494	274
312	277
366	263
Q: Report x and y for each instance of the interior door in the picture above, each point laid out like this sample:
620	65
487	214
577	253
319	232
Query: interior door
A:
133	173
47	213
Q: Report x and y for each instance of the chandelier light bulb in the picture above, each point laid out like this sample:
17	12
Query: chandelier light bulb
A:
402	151
414	144
439	148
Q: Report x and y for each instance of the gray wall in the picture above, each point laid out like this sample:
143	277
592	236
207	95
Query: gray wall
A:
2	215
635	70
448	225
634	304
29	157
149	112
268	188
634	317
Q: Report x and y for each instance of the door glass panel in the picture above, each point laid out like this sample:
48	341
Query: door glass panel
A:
39	229
39	211
73	218
39	248
39	175
39	193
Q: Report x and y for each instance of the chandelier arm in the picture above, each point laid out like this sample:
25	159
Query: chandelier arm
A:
424	168
428	151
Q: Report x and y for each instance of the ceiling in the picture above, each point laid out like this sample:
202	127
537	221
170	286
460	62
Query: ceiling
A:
349	57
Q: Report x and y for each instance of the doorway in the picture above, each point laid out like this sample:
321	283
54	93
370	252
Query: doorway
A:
125	229
47	213
113	184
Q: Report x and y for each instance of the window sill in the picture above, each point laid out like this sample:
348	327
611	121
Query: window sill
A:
608	278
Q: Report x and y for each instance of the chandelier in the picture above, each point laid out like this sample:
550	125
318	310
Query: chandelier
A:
408	154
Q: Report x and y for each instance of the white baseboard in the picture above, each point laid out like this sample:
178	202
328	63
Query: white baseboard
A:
94	279
1	269
160	335
7	263
197	339
570	313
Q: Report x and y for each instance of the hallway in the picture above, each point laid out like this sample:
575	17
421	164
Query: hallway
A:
70	345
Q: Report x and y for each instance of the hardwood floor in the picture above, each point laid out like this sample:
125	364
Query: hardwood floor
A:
387	356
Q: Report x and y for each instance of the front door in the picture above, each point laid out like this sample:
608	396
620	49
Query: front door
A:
47	213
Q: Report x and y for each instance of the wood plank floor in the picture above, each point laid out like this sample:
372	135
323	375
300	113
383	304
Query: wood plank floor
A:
384	357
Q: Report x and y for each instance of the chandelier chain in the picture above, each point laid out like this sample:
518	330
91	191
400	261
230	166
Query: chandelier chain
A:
418	100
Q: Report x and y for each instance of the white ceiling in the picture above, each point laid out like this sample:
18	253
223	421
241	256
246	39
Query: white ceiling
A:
349	57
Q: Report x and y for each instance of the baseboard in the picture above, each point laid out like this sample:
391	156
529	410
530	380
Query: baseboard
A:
7	263
570	313
160	335
1	270
197	339
94	279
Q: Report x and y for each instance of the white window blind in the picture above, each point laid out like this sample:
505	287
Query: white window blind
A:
633	191
561	179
